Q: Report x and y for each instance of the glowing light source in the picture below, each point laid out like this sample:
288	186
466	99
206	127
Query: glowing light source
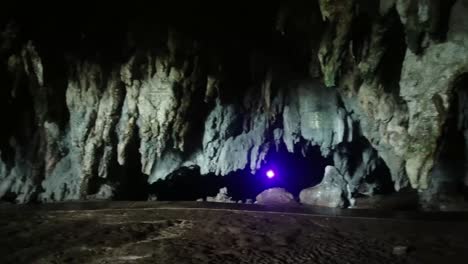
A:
270	174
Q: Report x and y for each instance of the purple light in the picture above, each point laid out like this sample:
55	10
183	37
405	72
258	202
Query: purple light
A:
270	174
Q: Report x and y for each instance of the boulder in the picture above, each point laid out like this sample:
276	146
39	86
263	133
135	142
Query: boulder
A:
331	192
275	196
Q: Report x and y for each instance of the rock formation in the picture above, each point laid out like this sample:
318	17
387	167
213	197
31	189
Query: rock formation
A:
331	192
275	196
373	84
221	197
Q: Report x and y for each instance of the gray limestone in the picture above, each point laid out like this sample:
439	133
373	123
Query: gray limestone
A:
275	196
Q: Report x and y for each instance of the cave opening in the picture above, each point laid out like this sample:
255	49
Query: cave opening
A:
294	171
185	184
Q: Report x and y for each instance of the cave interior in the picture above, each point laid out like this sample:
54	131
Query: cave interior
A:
173	103
281	131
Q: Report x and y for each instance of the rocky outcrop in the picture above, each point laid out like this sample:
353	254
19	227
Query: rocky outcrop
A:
403	120
428	91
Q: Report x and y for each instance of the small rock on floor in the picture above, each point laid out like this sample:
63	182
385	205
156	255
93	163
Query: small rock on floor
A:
400	250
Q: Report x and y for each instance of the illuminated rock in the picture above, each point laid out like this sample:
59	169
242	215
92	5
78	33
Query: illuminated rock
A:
275	196
330	192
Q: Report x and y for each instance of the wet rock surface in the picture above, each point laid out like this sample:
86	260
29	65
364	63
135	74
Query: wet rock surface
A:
176	235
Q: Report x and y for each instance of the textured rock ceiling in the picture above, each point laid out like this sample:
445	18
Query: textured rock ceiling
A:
370	83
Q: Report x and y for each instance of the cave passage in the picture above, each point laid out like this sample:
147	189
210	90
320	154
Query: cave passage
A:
293	171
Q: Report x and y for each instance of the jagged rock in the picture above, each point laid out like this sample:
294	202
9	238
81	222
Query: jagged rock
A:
221	197
404	126
312	112
428	91
331	192
275	196
305	115
17	181
146	101
355	163
335	40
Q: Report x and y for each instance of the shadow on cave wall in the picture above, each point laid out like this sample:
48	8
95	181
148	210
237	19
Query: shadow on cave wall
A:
128	182
448	177
294	172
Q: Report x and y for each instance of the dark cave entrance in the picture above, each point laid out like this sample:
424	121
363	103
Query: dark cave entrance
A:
127	181
293	171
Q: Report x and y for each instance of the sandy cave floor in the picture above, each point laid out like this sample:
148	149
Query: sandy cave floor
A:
206	233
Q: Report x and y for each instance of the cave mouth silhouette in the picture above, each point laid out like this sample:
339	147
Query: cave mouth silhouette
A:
292	171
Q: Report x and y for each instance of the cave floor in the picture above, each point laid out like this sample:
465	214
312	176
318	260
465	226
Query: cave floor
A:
189	232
